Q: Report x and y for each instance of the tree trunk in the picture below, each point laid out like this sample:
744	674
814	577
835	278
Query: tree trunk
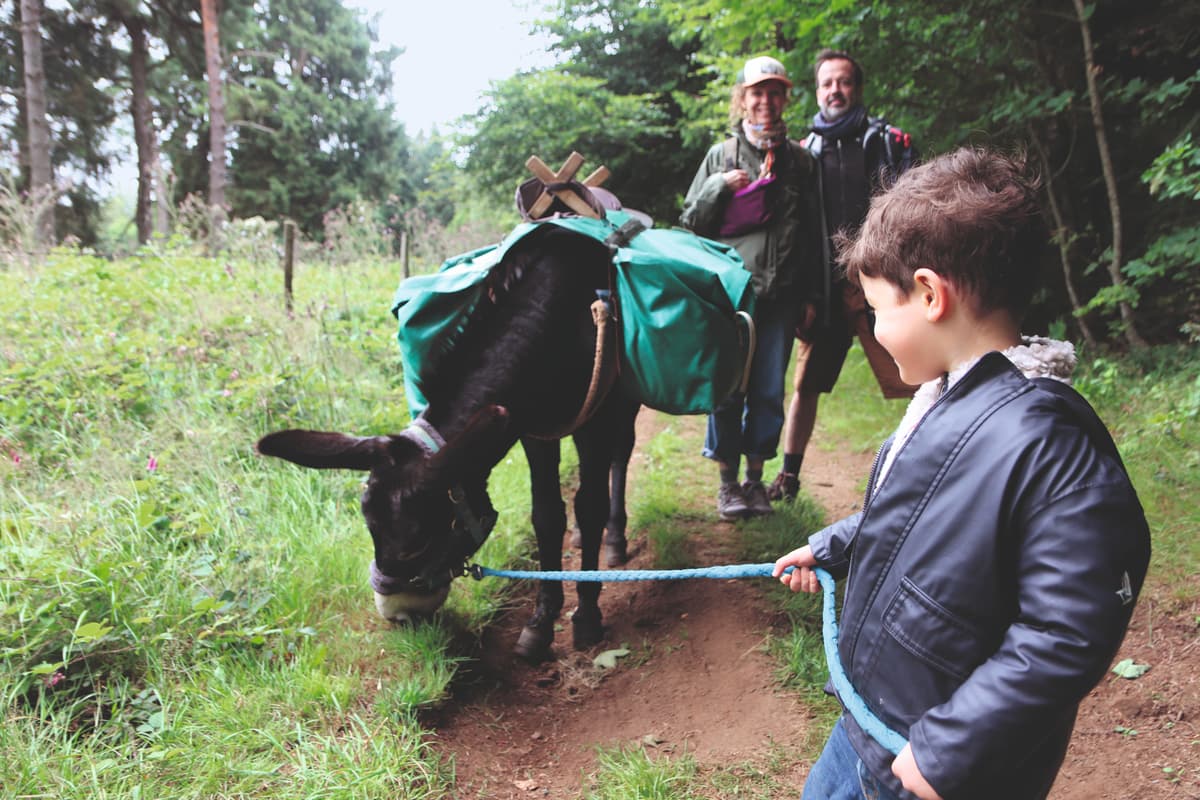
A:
143	127
1110	179
41	176
1062	239
209	13
162	192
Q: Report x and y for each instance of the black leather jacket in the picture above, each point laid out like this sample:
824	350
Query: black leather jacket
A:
992	575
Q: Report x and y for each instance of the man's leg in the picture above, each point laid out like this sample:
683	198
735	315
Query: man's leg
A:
802	418
818	364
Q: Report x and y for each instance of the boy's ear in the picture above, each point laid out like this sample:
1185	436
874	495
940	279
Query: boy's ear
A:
935	294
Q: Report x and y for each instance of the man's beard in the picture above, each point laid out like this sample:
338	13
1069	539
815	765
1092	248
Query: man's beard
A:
834	113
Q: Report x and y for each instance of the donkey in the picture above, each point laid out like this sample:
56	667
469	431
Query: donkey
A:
520	372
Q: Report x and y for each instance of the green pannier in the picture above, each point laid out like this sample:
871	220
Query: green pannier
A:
684	344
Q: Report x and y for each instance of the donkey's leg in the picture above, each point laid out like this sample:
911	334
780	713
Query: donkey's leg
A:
549	522
594	443
615	545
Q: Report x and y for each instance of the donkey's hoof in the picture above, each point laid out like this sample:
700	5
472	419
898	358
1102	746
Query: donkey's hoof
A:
533	644
586	628
616	551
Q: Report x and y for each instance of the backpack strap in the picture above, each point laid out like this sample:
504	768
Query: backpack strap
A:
730	147
895	145
812	143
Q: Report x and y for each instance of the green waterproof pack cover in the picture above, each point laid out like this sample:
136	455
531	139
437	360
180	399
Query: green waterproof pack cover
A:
683	346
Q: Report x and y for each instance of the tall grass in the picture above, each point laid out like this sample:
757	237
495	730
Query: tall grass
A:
179	617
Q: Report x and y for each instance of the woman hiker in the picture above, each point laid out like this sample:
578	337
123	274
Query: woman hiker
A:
757	191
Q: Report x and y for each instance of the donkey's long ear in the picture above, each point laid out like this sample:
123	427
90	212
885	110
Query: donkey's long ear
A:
324	450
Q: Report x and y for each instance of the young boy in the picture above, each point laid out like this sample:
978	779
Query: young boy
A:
995	564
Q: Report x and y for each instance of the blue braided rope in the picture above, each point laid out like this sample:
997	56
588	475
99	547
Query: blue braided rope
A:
614	575
873	725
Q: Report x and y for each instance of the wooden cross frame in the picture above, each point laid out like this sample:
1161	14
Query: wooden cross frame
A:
567	173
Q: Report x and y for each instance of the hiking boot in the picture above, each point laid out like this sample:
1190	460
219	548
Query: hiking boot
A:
731	505
756	498
785	487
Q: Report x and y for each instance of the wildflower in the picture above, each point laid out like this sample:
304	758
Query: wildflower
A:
151	464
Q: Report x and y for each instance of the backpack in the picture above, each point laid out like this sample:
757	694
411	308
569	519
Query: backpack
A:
894	145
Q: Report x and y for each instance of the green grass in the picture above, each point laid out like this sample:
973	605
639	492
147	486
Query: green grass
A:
179	617
631	773
1151	404
657	505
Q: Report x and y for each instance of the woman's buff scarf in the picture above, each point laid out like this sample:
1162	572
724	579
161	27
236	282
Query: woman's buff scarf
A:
765	137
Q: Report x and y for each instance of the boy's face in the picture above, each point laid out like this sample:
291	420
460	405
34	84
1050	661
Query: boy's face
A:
904	329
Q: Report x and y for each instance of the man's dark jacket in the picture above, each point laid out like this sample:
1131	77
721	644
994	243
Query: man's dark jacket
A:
992	575
853	168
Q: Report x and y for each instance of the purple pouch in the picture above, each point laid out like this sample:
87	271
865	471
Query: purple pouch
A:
747	209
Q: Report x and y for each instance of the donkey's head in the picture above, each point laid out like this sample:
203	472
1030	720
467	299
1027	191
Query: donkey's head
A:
424	522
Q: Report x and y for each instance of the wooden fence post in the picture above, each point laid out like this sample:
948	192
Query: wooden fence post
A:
289	255
404	252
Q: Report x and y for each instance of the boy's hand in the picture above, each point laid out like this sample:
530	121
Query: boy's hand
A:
905	768
802	578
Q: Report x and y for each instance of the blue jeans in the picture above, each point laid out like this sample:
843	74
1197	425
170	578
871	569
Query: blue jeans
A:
839	774
751	423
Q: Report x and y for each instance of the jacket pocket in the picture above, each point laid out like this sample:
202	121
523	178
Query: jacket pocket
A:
933	634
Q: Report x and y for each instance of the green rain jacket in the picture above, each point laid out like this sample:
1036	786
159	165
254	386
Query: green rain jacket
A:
784	257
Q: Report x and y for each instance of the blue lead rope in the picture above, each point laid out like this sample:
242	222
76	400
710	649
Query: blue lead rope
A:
858	709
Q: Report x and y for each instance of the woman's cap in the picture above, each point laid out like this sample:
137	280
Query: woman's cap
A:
763	68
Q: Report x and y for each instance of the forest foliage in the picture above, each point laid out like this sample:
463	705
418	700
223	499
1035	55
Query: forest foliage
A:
1102	97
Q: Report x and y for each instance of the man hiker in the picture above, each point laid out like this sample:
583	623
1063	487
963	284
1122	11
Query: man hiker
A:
858	155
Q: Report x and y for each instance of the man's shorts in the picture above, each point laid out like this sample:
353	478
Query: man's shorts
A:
819	359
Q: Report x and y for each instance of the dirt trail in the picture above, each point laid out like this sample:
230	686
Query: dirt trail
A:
698	681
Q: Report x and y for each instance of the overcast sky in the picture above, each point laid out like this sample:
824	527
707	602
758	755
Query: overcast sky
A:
453	49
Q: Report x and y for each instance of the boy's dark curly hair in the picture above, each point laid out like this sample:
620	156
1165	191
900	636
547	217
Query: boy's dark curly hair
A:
971	216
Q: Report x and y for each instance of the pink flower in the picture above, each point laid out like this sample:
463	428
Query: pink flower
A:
151	464
16	457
